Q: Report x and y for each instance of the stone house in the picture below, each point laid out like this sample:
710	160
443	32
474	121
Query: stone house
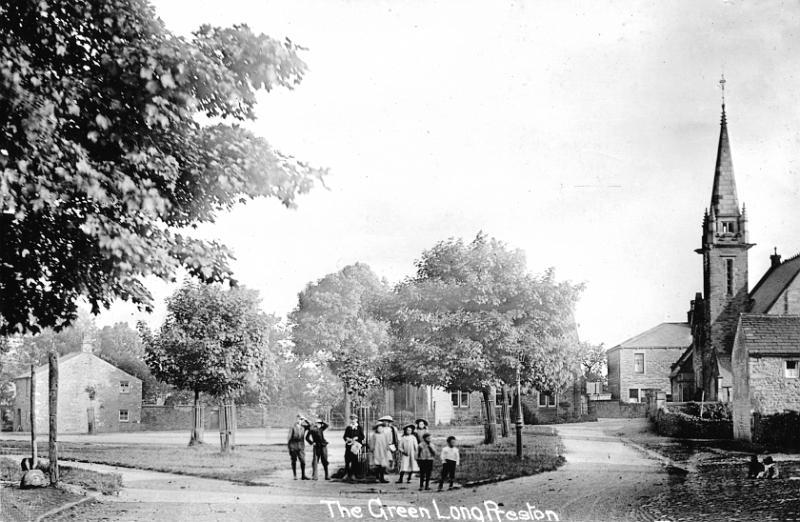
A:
90	391
644	362
766	368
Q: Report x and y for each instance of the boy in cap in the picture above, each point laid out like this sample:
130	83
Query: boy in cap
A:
319	446
297	446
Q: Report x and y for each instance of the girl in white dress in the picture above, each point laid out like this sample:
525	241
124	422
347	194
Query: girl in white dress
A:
408	453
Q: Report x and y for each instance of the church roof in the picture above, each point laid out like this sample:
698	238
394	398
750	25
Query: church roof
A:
772	285
665	335
724	201
770	334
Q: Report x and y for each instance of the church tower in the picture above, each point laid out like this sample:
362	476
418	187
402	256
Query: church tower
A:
724	250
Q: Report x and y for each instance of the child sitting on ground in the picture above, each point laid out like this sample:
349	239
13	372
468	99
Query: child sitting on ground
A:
450	459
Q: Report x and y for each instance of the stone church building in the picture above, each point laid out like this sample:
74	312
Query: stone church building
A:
745	343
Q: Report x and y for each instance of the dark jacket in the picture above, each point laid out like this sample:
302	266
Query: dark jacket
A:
353	433
316	435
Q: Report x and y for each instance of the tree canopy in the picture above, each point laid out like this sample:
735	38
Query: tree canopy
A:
471	310
473	314
104	161
336	322
213	340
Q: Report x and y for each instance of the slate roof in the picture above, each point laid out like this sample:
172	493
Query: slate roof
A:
772	285
665	335
770	334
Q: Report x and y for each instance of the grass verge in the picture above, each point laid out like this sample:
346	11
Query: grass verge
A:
106	483
542	451
243	465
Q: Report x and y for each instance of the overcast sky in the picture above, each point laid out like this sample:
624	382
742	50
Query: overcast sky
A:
584	133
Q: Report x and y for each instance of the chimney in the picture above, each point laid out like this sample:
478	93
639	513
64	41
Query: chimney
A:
775	259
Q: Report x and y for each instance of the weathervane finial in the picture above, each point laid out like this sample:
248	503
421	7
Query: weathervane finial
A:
722	83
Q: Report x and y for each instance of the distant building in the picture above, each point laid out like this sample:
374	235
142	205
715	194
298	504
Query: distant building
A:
644	362
91	391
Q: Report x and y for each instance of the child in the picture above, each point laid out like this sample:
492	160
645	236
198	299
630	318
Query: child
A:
450	460
408	453
755	467
426	452
770	469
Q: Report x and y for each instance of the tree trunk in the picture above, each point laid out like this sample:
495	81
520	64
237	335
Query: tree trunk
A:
227	426
506	420
34	446
490	432
556	397
197	421
53	405
346	405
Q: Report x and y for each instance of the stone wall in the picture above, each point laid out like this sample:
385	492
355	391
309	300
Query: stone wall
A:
167	418
770	391
681	425
658	363
617	409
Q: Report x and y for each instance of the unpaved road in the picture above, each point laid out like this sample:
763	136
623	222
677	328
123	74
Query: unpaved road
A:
603	480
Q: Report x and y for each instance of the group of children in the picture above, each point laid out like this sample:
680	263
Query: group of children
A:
766	469
413	451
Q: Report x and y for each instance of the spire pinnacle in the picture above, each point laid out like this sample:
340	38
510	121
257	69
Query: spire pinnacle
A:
723	197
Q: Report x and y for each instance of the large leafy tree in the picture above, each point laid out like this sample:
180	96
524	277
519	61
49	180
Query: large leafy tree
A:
213	341
336	323
104	158
472	315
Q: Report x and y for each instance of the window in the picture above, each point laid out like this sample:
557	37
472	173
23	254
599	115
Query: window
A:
459	399
124	387
546	400
123	415
728	227
633	395
638	363
790	370
729	275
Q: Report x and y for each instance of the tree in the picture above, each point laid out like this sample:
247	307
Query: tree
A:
594	361
336	323
213	341
469	313
121	346
103	157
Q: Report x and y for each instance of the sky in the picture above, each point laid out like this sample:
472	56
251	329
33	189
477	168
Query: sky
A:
583	133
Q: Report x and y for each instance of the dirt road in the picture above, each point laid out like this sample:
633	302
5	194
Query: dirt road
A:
603	480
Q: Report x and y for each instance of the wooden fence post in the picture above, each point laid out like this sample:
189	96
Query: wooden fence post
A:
53	405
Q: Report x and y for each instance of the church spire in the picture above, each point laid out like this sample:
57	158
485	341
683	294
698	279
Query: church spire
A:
724	202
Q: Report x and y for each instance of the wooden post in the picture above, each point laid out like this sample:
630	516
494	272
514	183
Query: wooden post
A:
34	446
53	405
197	421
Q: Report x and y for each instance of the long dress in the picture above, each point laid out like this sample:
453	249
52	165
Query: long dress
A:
408	457
380	449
